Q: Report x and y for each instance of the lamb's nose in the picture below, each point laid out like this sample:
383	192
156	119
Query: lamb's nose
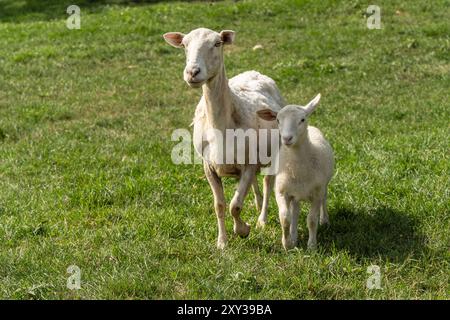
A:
288	140
194	71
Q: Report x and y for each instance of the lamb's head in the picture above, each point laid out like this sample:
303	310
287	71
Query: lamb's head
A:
204	53
292	120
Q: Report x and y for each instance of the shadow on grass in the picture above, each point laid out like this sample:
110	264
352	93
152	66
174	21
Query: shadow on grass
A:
43	10
380	232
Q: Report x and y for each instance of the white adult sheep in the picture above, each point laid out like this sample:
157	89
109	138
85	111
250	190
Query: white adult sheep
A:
226	105
305	168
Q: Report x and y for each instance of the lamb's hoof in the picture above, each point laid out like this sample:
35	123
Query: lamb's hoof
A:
242	229
260	224
221	244
288	244
312	246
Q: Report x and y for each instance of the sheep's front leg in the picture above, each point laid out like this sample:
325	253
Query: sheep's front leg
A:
283	203
219	203
267	188
312	221
247	177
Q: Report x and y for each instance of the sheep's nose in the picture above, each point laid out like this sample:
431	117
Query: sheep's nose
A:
288	140
194	71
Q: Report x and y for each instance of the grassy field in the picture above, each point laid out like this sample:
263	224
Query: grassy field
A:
86	176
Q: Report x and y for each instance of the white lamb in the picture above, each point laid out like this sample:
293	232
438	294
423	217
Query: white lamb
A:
305	167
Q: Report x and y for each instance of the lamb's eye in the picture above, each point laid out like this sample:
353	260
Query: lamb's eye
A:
218	44
303	120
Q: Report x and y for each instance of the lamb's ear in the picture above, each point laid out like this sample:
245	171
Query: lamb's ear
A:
311	106
267	114
174	39
227	36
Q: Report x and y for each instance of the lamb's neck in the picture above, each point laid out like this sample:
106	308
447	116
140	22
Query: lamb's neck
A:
219	107
302	144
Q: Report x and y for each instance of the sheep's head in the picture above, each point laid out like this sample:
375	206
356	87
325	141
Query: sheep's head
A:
292	120
204	53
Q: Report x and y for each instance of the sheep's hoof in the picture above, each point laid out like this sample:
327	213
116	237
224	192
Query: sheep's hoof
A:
221	244
242	229
294	239
261	224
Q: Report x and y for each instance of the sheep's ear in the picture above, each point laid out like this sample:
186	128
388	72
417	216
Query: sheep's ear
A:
227	36
174	39
311	106
267	114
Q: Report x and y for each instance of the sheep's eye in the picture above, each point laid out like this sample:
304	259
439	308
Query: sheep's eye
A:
303	120
218	44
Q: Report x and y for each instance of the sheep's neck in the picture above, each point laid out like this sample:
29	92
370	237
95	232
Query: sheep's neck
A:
219	107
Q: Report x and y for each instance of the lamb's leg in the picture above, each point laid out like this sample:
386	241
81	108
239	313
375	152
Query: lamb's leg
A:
247	176
295	210
267	188
324	219
258	197
219	203
285	220
312	221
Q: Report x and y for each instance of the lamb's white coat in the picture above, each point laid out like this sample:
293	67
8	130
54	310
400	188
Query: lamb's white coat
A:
305	168
226	105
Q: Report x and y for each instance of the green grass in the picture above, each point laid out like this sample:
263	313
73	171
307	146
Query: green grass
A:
86	176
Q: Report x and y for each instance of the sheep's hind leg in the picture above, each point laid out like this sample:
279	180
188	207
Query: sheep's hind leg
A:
258	197
267	188
219	203
247	177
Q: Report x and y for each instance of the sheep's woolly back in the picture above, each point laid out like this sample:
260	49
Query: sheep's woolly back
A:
251	91
257	85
